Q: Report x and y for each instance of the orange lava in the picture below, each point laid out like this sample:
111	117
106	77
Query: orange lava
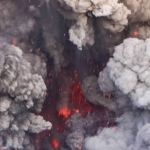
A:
135	33
55	143
65	112
77	111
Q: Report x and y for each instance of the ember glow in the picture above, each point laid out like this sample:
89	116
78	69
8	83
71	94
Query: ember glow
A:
135	33
14	42
55	143
65	112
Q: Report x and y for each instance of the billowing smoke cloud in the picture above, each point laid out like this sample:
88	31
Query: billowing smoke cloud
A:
139	10
131	133
54	50
128	70
82	33
114	18
22	90
126	74
80	127
130	65
22	75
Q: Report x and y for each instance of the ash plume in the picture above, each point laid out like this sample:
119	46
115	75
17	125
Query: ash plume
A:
114	18
82	33
22	90
22	75
131	61
128	70
78	127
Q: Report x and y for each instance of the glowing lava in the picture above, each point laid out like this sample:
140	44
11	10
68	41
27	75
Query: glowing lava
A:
55	143
78	102
65	112
135	33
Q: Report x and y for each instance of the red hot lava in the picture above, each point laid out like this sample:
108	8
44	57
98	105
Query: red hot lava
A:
65	112
55	143
76	104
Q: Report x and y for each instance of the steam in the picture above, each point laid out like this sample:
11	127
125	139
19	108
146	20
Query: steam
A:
114	16
131	61
82	33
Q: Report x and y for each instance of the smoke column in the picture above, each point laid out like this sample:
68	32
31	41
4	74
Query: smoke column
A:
48	47
22	75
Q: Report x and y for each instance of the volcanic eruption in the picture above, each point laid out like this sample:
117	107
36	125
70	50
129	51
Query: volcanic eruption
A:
74	74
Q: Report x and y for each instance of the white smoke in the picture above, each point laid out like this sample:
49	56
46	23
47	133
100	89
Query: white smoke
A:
139	10
130	63
131	133
22	76
129	72
82	33
114	14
